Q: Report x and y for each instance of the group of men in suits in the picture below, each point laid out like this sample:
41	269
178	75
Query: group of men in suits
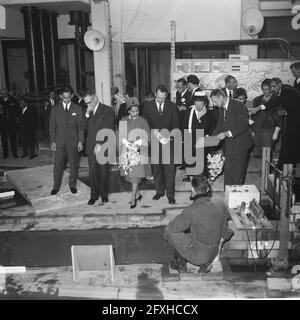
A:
67	126
17	118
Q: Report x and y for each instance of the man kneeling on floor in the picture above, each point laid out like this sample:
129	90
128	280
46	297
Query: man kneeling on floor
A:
198	233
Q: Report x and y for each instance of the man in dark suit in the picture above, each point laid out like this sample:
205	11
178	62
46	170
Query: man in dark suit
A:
193	85
50	102
230	86
289	98
162	114
183	98
28	127
295	68
10	113
233	128
66	138
97	117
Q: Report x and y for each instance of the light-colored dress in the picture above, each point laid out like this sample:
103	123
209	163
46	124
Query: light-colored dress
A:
141	131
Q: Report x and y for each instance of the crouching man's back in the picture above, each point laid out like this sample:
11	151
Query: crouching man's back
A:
198	231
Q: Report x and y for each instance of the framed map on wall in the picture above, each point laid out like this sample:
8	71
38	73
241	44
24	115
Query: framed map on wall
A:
249	78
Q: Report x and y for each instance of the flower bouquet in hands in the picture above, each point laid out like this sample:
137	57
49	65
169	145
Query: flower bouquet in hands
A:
131	157
215	165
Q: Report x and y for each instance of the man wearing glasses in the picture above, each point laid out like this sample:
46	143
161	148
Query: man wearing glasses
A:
97	117
66	138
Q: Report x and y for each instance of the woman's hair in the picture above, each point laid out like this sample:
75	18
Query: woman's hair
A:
241	92
203	98
200	184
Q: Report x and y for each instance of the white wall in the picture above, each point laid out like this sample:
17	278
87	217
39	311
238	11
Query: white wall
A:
196	20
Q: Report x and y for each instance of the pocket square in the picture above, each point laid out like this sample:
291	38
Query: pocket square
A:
74	114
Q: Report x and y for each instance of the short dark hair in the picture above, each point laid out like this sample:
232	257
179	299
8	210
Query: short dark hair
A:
161	88
200	184
276	80
295	65
266	82
228	78
183	81
241	92
67	89
217	92
193	79
201	98
149	94
88	92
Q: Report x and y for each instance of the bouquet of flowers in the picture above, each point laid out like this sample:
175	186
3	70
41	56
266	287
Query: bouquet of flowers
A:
132	157
215	165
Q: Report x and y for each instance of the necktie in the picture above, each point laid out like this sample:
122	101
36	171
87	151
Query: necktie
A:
160	109
230	94
66	108
224	113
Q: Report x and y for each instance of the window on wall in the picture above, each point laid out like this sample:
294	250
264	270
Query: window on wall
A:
279	27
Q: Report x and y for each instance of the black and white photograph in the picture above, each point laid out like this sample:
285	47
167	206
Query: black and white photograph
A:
149	150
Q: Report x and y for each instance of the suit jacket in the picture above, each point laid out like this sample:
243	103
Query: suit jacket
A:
297	85
289	99
169	119
236	121
10	113
65	127
104	118
184	100
83	106
224	90
29	124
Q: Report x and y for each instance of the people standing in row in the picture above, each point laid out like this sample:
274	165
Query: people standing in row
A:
10	113
233	128
97	117
266	125
138	131
289	98
66	138
28	127
197	117
162	114
295	68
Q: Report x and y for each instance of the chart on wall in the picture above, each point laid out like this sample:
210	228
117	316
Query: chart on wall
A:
249	73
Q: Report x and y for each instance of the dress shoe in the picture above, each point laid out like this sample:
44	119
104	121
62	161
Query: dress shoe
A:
33	156
53	192
104	199
181	167
139	198
157	196
171	200
24	155
91	201
73	190
133	205
16	156
187	179
4	157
